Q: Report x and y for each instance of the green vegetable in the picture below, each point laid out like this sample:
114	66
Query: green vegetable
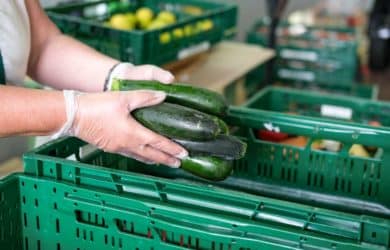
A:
222	125
224	146
175	121
208	167
190	96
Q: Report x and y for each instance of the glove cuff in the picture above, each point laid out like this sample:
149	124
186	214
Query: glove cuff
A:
116	71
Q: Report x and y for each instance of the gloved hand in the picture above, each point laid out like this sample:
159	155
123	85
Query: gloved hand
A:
103	120
142	72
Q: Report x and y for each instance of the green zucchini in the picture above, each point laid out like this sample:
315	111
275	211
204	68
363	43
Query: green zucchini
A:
179	122
224	146
190	96
222	125
208	167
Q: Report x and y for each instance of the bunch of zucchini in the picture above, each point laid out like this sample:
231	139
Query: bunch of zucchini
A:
191	117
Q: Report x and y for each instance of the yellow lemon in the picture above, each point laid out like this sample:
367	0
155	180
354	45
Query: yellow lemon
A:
189	30
131	18
120	21
167	17
144	16
178	33
156	24
165	37
206	25
192	10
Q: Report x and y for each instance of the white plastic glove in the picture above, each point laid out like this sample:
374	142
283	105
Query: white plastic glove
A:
142	72
104	120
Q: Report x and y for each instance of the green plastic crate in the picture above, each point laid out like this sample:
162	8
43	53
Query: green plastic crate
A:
325	60
344	53
308	47
287	72
140	46
42	214
362	90
336	179
178	210
254	81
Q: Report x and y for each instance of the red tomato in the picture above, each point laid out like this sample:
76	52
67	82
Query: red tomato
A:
375	123
267	135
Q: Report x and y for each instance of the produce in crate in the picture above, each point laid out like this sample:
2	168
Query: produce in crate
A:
273	136
181	118
123	21
166	17
156	24
144	17
178	33
358	150
298	141
208	22
165	37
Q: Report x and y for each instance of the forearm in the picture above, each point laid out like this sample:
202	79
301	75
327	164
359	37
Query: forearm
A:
30	112
65	63
60	61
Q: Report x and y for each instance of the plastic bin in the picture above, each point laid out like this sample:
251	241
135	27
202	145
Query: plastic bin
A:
362	90
327	55
335	180
41	214
294	75
309	43
96	205
255	81
144	46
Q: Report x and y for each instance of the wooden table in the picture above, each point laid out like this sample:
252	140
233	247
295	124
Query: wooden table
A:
13	165
226	63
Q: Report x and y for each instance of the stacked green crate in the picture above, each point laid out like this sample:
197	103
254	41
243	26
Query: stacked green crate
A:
311	54
142	212
98	201
179	40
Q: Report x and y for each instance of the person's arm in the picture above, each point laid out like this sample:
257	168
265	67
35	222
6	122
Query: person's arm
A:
62	62
30	112
101	119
